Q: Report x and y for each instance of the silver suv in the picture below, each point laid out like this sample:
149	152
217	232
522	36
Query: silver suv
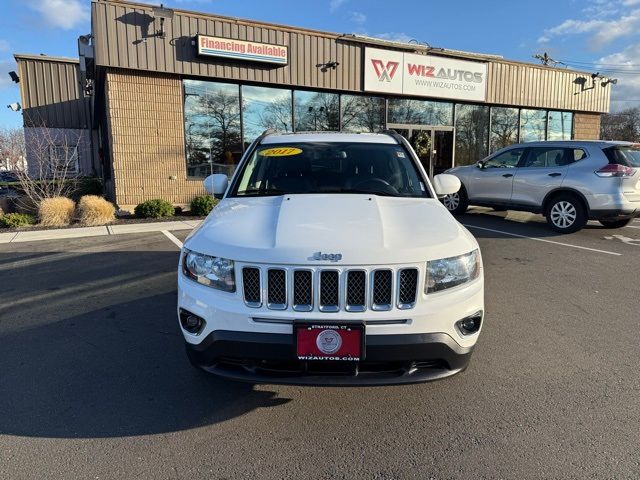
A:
569	182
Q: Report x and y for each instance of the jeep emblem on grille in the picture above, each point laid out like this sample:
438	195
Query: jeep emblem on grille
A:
332	257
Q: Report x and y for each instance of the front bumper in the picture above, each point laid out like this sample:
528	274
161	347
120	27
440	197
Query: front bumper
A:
270	358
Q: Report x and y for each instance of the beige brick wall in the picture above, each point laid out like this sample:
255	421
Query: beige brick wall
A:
146	131
586	126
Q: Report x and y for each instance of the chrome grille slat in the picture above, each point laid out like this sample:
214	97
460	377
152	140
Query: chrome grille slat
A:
329	297
251	286
303	290
356	296
276	289
382	290
407	288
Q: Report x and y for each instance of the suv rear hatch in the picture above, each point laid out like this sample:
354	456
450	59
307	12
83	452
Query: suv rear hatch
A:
624	163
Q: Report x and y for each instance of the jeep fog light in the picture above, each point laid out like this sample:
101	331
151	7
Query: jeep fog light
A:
470	324
190	322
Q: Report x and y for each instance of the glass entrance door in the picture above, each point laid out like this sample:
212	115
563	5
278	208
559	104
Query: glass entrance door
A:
433	145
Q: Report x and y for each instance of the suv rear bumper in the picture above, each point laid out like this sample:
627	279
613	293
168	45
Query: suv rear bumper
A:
614	214
270	358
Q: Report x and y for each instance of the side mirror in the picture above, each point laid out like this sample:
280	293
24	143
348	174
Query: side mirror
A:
446	184
216	184
480	164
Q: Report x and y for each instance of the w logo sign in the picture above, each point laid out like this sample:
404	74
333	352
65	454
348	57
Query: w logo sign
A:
385	72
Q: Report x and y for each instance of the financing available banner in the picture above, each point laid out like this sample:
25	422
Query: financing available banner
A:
242	50
387	71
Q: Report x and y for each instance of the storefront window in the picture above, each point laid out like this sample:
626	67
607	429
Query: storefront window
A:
362	114
472	133
504	128
264	108
533	125
316	111
559	126
420	112
212	127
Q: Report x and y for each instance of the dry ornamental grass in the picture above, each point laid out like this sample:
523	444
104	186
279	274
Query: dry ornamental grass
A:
56	211
95	210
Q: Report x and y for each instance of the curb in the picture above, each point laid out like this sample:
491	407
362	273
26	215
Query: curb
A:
62	233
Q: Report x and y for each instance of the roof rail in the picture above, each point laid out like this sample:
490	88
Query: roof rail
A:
269	131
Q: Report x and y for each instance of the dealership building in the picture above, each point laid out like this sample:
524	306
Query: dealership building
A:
160	98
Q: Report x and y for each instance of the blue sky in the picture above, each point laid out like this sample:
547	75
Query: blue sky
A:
592	34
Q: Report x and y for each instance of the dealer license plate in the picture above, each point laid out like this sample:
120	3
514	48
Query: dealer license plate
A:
329	342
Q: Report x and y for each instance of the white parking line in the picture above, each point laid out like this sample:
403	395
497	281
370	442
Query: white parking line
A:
543	240
632	226
172	237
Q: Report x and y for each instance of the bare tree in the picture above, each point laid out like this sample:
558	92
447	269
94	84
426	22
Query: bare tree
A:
623	125
51	168
12	154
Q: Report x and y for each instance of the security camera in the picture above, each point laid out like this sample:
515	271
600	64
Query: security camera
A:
15	107
14	76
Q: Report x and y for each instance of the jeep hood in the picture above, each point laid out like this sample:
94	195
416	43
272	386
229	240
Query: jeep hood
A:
365	229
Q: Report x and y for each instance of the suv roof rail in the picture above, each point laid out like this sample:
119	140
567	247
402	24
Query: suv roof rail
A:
269	131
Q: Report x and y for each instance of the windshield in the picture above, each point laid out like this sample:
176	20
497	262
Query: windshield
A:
330	167
624	155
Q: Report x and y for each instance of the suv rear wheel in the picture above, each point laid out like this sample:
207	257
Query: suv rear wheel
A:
566	214
615	223
457	203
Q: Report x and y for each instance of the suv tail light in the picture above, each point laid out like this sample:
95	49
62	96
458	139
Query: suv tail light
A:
615	170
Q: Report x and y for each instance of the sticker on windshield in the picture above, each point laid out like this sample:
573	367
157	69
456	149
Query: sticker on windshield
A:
400	154
280	152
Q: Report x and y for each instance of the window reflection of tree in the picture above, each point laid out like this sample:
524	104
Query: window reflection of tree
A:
317	111
420	112
533	125
277	115
362	114
213	132
472	128
504	127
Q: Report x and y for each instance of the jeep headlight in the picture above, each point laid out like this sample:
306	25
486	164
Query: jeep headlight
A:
215	272
453	271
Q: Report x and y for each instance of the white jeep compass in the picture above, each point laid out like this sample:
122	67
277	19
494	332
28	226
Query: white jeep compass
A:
330	260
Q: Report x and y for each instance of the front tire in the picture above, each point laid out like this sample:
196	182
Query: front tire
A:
566	214
457	203
615	223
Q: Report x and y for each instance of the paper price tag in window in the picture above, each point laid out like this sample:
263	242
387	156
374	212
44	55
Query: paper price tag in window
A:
280	152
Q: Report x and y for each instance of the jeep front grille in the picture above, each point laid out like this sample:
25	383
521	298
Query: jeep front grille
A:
356	300
382	290
251	283
277	289
330	289
303	290
407	287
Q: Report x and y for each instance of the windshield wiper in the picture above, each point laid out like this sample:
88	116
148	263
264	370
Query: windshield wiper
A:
364	192
257	192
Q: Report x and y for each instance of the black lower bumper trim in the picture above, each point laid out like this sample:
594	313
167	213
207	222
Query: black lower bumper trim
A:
270	358
614	214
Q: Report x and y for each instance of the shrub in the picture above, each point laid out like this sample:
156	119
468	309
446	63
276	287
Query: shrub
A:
87	186
202	205
154	209
56	211
95	210
13	220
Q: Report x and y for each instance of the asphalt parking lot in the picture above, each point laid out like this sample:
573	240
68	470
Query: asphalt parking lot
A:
94	382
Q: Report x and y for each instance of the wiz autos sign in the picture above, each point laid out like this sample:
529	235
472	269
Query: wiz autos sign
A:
242	50
386	71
